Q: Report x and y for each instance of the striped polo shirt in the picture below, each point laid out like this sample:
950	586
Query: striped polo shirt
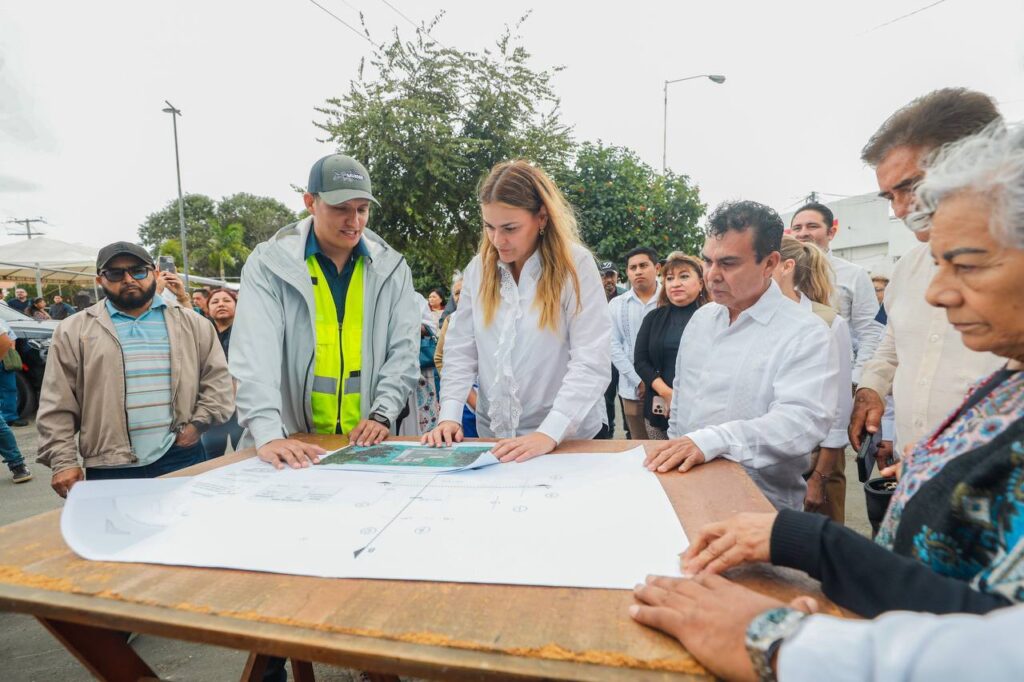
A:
147	372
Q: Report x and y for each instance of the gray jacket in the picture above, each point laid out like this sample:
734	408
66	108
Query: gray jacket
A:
273	339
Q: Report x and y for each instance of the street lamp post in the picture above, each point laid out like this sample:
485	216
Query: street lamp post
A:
175	113
664	134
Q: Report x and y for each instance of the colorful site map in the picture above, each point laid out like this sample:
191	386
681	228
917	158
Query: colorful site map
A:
391	455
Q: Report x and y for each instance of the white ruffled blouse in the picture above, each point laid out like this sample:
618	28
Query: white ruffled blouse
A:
531	379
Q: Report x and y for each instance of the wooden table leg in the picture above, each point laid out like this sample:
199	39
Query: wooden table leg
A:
105	653
255	667
302	671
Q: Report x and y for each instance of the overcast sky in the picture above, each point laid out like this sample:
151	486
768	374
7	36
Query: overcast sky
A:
83	141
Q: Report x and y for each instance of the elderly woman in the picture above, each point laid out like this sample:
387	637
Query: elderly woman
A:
953	538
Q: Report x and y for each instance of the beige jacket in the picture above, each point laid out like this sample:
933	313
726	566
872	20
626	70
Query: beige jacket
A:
83	389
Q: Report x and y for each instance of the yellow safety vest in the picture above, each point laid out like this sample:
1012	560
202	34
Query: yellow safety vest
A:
335	394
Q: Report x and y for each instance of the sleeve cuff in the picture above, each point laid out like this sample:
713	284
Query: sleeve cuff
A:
263	432
796	540
837	438
451	411
554	426
709	442
875	383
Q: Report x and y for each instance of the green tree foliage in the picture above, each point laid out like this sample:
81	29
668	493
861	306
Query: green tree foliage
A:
429	125
260	217
622	203
163	225
257	217
221	245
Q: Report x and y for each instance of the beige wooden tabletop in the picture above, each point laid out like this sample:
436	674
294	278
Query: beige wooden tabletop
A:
426	629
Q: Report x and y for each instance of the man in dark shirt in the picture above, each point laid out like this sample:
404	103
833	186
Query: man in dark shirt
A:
20	302
60	310
610	280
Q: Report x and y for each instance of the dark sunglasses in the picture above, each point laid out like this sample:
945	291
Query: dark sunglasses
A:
117	274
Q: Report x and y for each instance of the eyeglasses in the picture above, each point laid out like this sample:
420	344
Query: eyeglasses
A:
117	274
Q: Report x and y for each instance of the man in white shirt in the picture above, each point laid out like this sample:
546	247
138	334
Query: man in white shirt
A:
627	312
756	374
921	358
854	297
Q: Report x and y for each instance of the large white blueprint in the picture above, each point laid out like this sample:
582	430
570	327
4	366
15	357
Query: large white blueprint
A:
579	520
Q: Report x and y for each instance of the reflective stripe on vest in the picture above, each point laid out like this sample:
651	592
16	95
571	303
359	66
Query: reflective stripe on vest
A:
335	394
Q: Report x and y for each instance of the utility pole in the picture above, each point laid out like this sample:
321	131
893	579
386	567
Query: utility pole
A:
812	198
27	222
175	113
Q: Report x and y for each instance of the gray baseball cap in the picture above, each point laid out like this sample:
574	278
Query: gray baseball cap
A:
338	178
111	251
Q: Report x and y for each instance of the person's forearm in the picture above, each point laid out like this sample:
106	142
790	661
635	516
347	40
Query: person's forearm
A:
864	577
661	388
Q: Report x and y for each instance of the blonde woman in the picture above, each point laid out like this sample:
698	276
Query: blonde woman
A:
804	275
532	324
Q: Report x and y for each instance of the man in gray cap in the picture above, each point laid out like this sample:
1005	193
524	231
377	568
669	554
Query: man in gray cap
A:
135	380
326	337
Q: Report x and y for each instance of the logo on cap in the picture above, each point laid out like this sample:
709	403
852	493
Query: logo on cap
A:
347	176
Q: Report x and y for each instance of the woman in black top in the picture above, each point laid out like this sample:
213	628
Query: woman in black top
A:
221	306
657	342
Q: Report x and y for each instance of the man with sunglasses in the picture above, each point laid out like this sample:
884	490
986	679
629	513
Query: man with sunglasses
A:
921	358
137	381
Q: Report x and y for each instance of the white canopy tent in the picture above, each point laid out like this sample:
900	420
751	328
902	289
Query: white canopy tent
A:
49	260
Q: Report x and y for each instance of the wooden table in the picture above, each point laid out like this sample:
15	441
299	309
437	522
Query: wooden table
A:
432	630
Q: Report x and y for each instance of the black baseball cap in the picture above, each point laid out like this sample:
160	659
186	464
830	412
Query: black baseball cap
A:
337	178
608	266
111	251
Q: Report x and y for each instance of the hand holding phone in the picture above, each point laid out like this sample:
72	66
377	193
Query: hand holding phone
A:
166	264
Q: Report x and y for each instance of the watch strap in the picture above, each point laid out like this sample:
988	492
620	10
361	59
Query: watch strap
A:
765	635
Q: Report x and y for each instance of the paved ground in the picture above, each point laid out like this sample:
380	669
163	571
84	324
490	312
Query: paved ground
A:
29	654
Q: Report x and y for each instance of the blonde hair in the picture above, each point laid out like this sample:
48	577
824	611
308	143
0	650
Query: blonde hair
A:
811	275
522	185
677	260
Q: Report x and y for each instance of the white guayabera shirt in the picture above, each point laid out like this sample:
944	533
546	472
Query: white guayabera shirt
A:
627	312
531	379
762	391
856	301
837	435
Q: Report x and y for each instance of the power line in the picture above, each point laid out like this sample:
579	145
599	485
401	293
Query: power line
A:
412	23
345	23
902	17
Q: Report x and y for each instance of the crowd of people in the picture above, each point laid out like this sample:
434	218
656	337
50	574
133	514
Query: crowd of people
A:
765	348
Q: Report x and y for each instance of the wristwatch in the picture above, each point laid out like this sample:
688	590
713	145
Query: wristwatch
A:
380	419
765	635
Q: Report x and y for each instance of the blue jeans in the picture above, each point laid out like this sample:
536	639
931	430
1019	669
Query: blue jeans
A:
216	439
8	396
174	459
9	447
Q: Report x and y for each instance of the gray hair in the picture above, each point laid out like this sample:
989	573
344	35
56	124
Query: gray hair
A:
456	277
990	163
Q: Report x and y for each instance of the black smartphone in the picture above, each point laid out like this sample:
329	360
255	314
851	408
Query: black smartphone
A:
866	454
166	264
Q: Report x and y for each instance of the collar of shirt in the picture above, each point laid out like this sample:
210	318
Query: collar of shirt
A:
313	247
158	302
763	310
531	267
631	293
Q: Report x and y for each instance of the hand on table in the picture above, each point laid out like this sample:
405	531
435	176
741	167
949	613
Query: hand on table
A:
709	616
524	447
294	453
63	481
681	452
868	408
444	434
743	538
368	432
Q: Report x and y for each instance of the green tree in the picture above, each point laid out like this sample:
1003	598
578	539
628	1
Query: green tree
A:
261	217
164	224
429	125
222	245
622	203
